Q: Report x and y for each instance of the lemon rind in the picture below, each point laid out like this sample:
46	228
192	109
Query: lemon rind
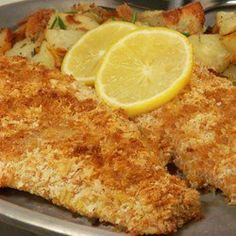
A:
156	101
64	67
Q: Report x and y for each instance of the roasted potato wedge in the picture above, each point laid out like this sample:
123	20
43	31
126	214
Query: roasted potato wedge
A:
86	23
210	51
230	72
45	57
62	39
226	22
6	40
25	48
19	33
99	14
229	42
33	26
37	23
72	22
188	19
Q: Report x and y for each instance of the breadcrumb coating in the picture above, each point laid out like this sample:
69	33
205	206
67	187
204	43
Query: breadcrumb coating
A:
197	130
57	141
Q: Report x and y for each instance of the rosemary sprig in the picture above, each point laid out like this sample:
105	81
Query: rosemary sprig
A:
58	22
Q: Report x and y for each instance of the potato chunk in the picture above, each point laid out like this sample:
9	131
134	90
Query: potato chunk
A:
209	50
45	57
73	22
229	42
6	38
25	48
226	22
187	19
63	39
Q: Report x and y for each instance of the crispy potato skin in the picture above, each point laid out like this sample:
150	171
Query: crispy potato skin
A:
225	22
37	23
33	26
6	40
125	12
189	19
230	42
57	141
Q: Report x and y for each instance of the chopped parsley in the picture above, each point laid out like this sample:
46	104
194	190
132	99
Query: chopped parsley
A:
186	34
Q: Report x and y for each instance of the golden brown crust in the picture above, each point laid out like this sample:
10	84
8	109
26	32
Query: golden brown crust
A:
198	130
33	26
58	142
6	40
125	12
100	14
19	33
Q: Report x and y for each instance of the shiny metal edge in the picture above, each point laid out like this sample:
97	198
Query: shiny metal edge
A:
208	5
5	2
43	224
213	5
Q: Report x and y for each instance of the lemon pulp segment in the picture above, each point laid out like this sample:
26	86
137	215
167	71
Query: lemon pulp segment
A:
145	69
85	57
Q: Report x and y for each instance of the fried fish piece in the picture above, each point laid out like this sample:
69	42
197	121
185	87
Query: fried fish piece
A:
60	143
198	131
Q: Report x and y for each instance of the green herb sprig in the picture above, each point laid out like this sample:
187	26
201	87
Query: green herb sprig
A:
187	34
58	22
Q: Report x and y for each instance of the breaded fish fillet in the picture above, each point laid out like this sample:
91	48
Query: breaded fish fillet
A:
57	142
198	131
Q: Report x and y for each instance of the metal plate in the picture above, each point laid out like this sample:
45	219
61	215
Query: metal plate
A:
39	216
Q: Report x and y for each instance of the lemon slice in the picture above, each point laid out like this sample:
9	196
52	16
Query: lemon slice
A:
84	58
145	69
